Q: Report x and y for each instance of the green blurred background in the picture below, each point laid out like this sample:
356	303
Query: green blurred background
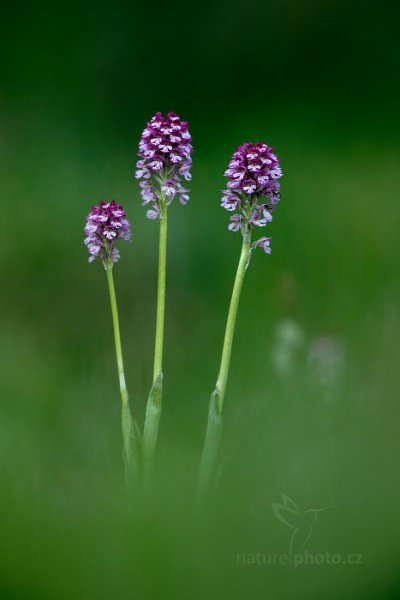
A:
312	401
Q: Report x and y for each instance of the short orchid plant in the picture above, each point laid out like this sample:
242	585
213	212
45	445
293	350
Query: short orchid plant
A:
163	170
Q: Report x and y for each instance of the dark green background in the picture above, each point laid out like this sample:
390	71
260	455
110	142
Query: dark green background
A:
318	81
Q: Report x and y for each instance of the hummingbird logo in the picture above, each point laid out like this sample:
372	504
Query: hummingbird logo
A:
301	522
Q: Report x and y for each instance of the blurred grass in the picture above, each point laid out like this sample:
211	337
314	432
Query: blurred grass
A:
333	271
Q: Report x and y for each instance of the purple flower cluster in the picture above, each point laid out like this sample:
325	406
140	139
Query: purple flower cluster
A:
106	223
165	150
252	188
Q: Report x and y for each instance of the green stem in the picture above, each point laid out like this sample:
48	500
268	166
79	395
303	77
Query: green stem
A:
117	335
231	321
153	408
214	424
128	432
162	260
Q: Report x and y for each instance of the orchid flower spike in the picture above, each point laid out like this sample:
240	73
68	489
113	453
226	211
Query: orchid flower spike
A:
253	189
165	151
106	223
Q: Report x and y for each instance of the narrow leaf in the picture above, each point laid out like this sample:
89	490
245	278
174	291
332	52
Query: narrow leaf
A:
211	445
153	413
132	444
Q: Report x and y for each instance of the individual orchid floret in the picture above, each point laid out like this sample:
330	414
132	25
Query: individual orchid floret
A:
253	189
106	223
165	151
264	243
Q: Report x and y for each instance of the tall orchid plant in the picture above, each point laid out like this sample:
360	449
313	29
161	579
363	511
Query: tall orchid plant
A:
165	151
105	225
252	193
